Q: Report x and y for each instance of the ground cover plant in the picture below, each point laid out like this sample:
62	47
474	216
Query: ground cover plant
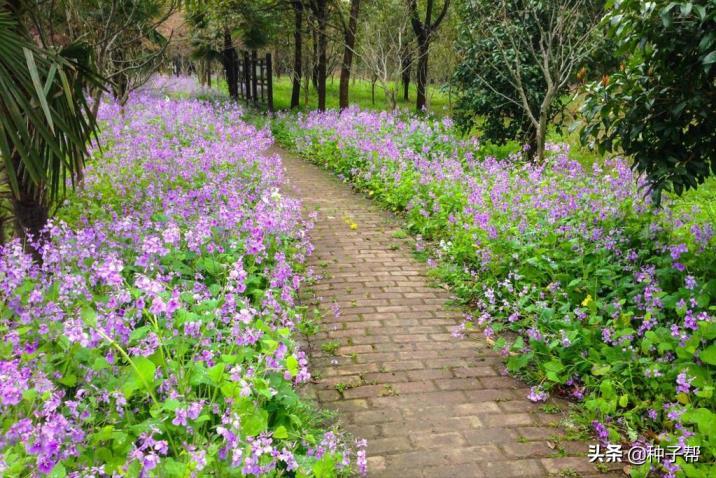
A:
607	300
155	337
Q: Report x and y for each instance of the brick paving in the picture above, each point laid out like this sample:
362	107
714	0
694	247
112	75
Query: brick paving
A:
430	406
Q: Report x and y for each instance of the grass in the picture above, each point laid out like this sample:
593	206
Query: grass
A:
359	93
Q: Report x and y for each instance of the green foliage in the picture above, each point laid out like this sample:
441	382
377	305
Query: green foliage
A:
486	105
45	122
658	107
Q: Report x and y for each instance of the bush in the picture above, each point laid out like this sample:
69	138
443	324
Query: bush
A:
658	106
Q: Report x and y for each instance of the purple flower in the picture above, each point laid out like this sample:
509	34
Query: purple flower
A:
537	394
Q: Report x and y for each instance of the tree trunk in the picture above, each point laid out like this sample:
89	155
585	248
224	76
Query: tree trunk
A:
230	60
96	99
30	211
541	135
350	41
422	76
314	58
297	53
406	67
322	54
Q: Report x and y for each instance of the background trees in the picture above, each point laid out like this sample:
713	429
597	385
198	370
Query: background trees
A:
658	106
518	67
519	59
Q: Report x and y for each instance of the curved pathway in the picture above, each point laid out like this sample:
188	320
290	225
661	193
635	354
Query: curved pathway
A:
430	405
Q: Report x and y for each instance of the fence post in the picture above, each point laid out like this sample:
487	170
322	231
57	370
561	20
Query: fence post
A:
269	81
240	73
254	83
247	76
262	79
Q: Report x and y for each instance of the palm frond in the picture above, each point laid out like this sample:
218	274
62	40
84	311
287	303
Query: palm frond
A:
46	122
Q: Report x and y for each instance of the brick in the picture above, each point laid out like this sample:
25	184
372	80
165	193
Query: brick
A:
533	449
429	374
404	365
514	469
363	391
458	384
507	419
437	440
414	387
492	435
473	454
579	464
467	470
476	408
538	433
478	371
382	446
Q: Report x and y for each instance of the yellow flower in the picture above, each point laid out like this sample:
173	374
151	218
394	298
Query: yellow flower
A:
354	226
587	300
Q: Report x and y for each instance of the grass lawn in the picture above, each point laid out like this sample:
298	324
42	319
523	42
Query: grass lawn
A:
359	93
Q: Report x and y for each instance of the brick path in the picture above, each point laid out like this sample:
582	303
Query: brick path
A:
430	405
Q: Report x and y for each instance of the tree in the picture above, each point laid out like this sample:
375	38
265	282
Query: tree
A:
519	57
124	36
297	53
424	31
406	59
320	12
349	39
45	120
658	107
381	50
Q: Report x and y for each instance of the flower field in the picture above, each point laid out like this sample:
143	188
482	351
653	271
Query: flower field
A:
155	338
588	291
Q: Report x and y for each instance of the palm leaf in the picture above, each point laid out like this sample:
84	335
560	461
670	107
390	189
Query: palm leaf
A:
46	122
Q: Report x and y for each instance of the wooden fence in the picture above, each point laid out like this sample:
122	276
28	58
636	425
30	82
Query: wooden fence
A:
255	79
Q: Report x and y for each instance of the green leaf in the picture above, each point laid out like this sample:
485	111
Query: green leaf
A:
255	423
35	75
708	355
600	370
325	467
280	433
58	471
216	373
710	58
292	365
141	376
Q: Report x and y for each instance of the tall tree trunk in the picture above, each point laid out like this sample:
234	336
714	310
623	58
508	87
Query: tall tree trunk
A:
424	31
230	60
322	15
406	67
350	41
314	58
297	53
422	76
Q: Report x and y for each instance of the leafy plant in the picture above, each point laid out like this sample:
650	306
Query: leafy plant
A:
657	107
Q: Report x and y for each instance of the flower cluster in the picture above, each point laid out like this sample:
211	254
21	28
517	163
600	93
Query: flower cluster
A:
609	301
155	336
